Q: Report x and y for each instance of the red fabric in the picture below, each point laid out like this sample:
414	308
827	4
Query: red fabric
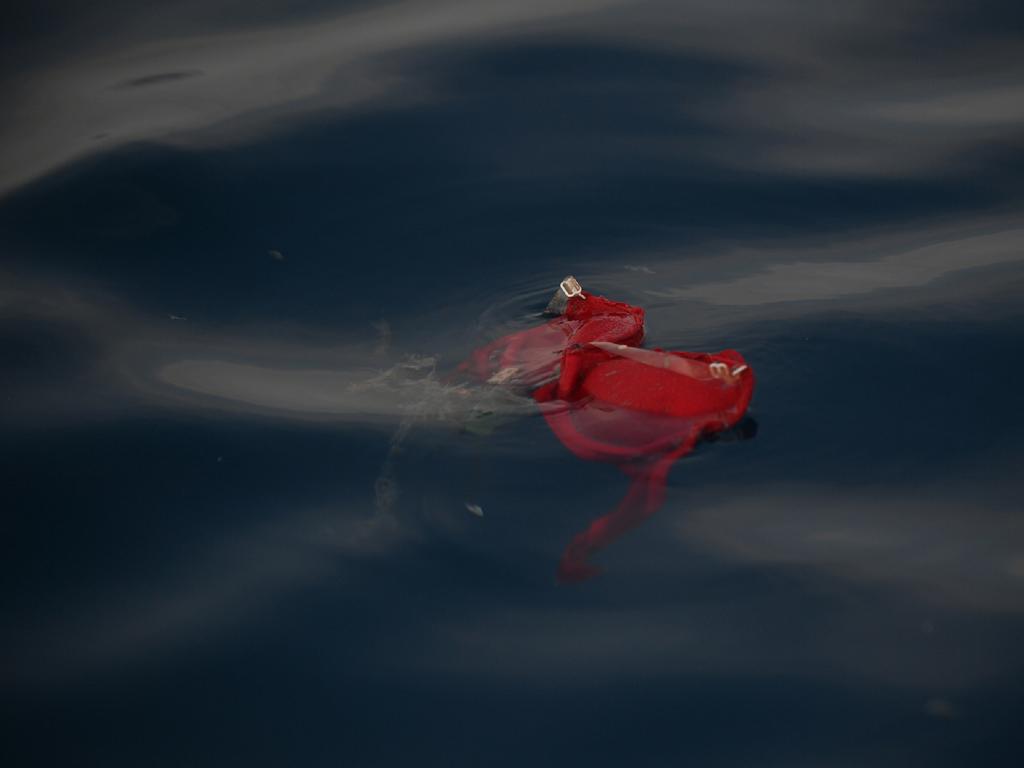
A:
537	352
639	409
642	418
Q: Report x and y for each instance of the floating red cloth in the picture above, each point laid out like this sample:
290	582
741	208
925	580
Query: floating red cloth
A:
533	355
611	401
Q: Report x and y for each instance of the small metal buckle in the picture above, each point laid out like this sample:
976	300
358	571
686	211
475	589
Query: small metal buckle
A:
571	287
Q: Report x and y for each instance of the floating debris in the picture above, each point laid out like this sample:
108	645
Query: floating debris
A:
176	317
640	268
276	255
476	509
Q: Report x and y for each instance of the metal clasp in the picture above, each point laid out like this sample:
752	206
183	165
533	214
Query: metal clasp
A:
571	287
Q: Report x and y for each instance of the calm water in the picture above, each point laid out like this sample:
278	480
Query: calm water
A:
242	245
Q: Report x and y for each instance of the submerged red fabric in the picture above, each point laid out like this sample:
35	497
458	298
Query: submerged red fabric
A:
608	400
642	416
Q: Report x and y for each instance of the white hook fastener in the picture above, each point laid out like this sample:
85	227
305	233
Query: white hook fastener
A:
721	370
571	287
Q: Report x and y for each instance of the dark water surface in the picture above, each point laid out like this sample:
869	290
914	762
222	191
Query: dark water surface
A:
241	246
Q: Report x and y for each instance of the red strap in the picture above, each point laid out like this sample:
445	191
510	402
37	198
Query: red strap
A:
537	352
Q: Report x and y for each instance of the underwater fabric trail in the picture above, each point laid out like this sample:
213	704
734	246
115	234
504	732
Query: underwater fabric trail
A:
642	416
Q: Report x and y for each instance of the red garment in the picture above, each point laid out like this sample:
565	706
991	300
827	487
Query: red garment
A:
536	353
612	401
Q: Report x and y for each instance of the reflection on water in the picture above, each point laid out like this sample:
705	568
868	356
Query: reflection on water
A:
250	515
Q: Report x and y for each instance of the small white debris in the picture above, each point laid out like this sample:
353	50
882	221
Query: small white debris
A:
176	317
476	509
639	268
276	255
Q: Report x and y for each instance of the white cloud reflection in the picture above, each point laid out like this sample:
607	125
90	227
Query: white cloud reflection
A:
830	91
181	87
952	551
808	275
407	389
